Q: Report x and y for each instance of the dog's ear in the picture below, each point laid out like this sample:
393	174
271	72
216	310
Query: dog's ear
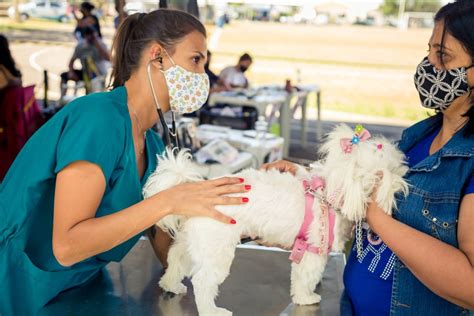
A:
332	143
390	164
345	189
390	184
354	199
385	190
342	172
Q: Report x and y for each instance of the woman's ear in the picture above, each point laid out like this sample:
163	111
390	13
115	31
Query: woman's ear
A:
155	52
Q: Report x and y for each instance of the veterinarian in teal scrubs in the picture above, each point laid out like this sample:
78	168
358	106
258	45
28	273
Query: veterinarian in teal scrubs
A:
72	200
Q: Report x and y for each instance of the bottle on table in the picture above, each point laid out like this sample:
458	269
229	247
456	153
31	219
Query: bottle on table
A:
261	127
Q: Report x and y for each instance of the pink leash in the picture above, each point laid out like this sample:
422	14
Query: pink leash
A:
326	227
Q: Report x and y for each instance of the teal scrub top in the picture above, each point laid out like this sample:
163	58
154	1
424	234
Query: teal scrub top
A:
94	128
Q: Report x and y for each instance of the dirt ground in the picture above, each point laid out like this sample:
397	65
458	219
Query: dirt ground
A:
364	70
367	70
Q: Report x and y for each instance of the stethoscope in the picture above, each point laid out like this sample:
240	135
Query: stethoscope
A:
170	135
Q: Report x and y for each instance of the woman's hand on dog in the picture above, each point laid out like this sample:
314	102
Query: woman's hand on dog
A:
282	166
200	198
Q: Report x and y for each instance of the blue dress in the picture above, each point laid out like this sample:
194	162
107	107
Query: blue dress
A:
94	128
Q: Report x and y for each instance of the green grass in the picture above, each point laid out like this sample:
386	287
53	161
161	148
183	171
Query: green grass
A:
35	24
387	109
384	110
316	61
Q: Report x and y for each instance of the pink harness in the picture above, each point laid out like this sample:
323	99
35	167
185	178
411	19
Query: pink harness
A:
326	226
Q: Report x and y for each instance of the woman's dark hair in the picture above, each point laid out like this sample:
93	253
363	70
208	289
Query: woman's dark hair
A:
163	26
458	19
6	58
245	57
87	6
208	60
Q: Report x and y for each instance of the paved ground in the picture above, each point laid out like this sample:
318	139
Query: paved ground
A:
33	58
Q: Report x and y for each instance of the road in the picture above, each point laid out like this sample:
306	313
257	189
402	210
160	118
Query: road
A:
33	58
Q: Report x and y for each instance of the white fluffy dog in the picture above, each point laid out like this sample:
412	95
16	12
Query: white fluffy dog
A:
204	249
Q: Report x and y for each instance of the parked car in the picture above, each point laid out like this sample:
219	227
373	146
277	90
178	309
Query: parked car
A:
134	7
44	9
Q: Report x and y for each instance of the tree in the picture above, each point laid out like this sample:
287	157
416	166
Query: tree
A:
391	7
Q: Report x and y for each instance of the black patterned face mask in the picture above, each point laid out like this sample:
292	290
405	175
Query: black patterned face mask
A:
439	88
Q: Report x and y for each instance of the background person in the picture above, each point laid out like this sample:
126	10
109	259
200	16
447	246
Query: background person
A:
87	20
9	73
94	57
234	76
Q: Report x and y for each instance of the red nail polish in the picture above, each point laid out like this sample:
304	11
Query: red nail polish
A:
248	187
241	180
233	222
245	200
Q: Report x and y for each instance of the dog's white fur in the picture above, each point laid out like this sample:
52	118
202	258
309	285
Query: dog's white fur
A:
204	248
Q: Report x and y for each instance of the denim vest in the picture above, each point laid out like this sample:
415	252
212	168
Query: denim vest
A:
432	206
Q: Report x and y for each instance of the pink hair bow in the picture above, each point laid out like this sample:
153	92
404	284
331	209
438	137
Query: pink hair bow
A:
361	134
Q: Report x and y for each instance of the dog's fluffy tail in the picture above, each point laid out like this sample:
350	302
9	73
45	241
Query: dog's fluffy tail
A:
171	170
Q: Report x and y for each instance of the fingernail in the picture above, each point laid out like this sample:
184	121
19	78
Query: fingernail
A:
245	200
233	222
248	187
241	180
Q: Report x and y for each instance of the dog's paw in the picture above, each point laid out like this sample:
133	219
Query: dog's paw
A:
179	288
217	312
306	299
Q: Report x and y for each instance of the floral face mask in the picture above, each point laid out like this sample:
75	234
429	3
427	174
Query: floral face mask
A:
188	91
